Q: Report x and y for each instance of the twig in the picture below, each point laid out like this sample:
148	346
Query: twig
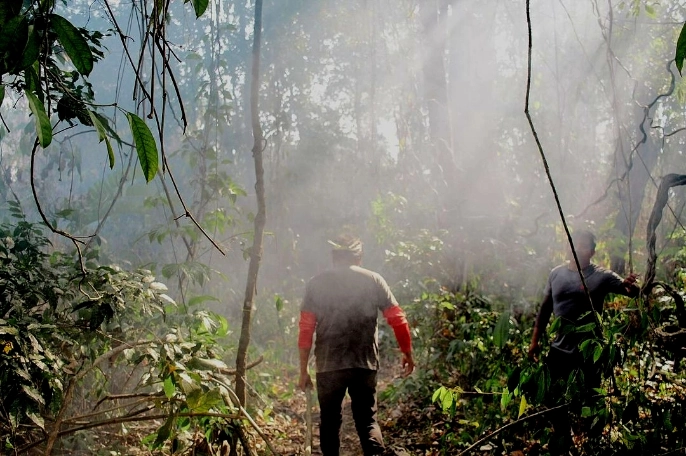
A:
223	381
115	351
248	367
187	213
499	430
543	158
116	397
37	201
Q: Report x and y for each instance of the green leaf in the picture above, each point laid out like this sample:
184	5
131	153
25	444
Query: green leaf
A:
13	37
33	394
145	146
199	6
43	127
110	151
437	393
278	302
37	419
164	432
202	402
522	407
447	400
588	327
681	49
206	364
11	330
9	9
32	83
2	93
75	45
505	399
102	136
31	51
597	353
195	300
543	385
501	333
169	387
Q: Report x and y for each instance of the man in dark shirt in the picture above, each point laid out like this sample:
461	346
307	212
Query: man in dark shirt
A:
565	297
341	306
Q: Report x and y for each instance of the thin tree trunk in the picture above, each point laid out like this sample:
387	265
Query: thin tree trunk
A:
434	28
260	218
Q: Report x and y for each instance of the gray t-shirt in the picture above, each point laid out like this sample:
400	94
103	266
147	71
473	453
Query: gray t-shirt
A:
570	300
346	302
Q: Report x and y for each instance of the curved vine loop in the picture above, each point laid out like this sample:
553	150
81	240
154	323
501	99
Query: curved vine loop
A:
668	181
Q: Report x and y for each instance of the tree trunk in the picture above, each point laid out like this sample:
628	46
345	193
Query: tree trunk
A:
434	15
260	218
434	19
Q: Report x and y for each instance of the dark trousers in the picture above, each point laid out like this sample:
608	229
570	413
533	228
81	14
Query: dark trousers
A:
560	366
361	386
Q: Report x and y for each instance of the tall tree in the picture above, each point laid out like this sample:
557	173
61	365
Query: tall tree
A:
260	217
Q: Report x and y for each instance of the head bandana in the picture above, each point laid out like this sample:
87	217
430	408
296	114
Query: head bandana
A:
346	244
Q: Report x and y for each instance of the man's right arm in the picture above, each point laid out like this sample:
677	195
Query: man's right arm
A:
307	325
542	320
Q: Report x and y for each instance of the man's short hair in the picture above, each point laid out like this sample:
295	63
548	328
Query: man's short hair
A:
346	245
585	237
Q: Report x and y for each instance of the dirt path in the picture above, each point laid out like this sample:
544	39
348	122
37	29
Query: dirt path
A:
287	429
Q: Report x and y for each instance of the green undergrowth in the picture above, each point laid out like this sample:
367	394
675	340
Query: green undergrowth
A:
474	378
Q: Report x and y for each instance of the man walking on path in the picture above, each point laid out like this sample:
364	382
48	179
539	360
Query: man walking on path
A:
565	297
341	307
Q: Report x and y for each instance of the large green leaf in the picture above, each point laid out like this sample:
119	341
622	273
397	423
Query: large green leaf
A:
75	45
501	332
31	50
199	6
681	49
43	127
13	37
9	9
165	431
145	146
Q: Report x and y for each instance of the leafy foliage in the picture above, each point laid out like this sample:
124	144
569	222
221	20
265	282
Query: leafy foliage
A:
63	331
478	376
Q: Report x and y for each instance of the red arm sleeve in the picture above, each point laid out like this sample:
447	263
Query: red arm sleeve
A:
308	321
396	318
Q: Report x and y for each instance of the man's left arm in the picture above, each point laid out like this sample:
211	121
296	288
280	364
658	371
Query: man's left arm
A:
395	316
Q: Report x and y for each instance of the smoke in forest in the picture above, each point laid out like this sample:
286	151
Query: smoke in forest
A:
402	121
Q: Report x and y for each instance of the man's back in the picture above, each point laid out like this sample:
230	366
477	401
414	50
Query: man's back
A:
346	301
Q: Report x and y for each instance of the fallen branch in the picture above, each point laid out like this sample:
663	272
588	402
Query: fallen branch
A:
509	425
227	371
127	419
